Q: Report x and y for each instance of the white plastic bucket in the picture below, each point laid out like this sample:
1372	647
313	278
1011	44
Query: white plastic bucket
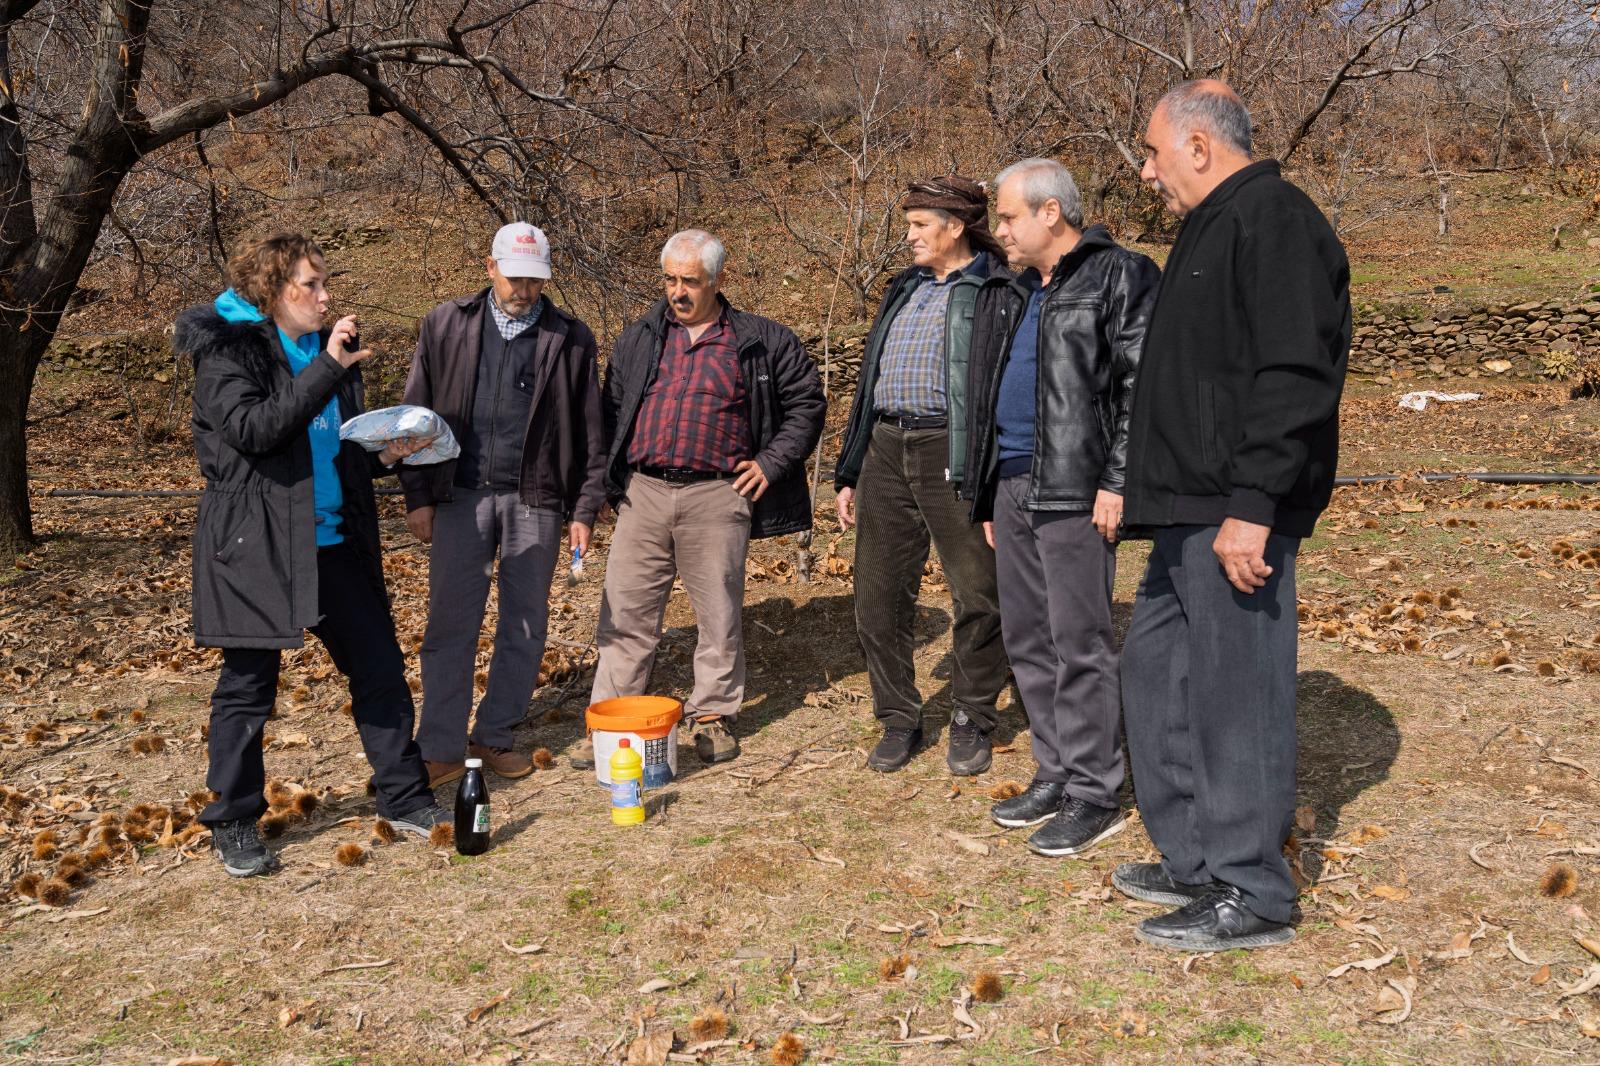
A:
651	725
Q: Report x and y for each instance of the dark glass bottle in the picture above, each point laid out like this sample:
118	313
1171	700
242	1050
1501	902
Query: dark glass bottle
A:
472	811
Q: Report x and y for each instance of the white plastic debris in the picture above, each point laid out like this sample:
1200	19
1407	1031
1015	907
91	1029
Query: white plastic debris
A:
375	429
1418	401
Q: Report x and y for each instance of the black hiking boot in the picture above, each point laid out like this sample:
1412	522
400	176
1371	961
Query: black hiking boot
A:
239	846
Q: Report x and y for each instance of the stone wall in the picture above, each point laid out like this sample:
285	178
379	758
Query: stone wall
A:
1541	338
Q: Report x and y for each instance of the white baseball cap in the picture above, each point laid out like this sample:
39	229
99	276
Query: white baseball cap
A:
521	251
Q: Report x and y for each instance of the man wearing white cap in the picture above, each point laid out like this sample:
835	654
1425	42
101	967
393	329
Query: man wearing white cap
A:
517	381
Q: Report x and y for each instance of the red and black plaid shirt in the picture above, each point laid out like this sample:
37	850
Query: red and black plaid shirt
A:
693	415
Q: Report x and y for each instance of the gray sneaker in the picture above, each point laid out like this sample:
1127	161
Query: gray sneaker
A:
238	845
421	821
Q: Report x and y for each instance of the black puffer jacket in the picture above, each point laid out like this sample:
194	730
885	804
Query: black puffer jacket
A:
255	541
1091	333
783	397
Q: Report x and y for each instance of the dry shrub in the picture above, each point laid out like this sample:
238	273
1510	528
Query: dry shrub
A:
279	794
710	1024
1559	881
98	856
99	714
27	885
272	825
1412	644
1501	658
384	832
986	987
442	835
305	802
1545	668
893	967
543	759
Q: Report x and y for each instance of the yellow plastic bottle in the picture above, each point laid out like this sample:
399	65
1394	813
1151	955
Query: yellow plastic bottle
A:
627	774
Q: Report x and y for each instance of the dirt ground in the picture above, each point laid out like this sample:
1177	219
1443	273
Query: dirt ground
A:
1447	834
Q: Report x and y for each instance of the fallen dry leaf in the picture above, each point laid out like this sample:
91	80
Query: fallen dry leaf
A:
650	1050
476	1014
1394	1001
1587	983
526	949
966	843
1541	975
1391	893
1377	962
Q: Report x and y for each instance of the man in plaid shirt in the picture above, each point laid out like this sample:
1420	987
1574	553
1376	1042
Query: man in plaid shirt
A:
710	413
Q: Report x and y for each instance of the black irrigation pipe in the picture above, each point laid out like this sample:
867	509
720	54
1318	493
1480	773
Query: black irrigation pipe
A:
1358	479
1493	479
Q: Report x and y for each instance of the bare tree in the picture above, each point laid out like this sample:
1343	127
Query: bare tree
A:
519	99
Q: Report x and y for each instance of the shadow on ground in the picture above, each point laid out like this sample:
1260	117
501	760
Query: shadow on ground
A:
1348	743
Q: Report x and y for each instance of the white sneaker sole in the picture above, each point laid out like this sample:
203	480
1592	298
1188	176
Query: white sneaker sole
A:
1013	823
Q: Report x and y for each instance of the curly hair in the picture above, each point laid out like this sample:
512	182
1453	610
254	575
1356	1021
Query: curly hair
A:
260	269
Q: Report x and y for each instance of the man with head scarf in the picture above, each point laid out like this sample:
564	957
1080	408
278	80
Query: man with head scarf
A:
903	457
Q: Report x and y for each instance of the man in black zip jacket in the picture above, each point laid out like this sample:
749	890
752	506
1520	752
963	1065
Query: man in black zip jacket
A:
1054	355
1231	458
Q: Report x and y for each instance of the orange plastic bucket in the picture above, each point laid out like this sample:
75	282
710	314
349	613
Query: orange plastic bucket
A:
650	723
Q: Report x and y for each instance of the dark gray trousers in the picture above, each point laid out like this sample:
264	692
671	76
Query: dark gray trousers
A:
903	501
1208	688
1055	572
467	533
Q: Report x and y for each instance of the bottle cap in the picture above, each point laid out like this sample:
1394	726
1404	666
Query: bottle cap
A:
474	764
625	743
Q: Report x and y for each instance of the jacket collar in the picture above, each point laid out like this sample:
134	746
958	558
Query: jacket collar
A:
1095	239
478	303
1226	191
657	317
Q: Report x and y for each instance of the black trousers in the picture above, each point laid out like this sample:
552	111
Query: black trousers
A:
902	503
358	632
1208	692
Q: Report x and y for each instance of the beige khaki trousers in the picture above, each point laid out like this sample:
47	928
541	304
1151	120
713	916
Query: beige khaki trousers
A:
698	532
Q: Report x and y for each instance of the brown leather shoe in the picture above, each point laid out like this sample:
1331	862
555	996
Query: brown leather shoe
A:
505	762
714	742
442	773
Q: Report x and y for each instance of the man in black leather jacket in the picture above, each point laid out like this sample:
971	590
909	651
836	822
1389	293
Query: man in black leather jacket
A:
1054	354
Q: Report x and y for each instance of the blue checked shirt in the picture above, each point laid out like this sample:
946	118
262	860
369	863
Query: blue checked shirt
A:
911	369
512	328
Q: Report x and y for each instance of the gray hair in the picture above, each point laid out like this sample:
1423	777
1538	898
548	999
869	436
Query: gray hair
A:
1211	107
712	252
1045	179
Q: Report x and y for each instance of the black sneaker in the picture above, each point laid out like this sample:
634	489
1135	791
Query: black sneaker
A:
895	749
1077	827
241	850
1217	921
421	821
1150	882
970	750
1039	802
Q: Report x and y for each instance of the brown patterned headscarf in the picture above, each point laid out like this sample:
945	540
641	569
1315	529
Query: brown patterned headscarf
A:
965	200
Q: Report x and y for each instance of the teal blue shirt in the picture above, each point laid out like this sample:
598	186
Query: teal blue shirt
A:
324	429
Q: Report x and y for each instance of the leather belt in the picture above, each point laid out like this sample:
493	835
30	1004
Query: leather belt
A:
680	475
916	421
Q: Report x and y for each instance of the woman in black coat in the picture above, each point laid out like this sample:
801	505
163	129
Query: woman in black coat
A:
287	537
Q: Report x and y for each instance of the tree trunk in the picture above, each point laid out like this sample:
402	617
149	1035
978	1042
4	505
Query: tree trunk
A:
19	359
